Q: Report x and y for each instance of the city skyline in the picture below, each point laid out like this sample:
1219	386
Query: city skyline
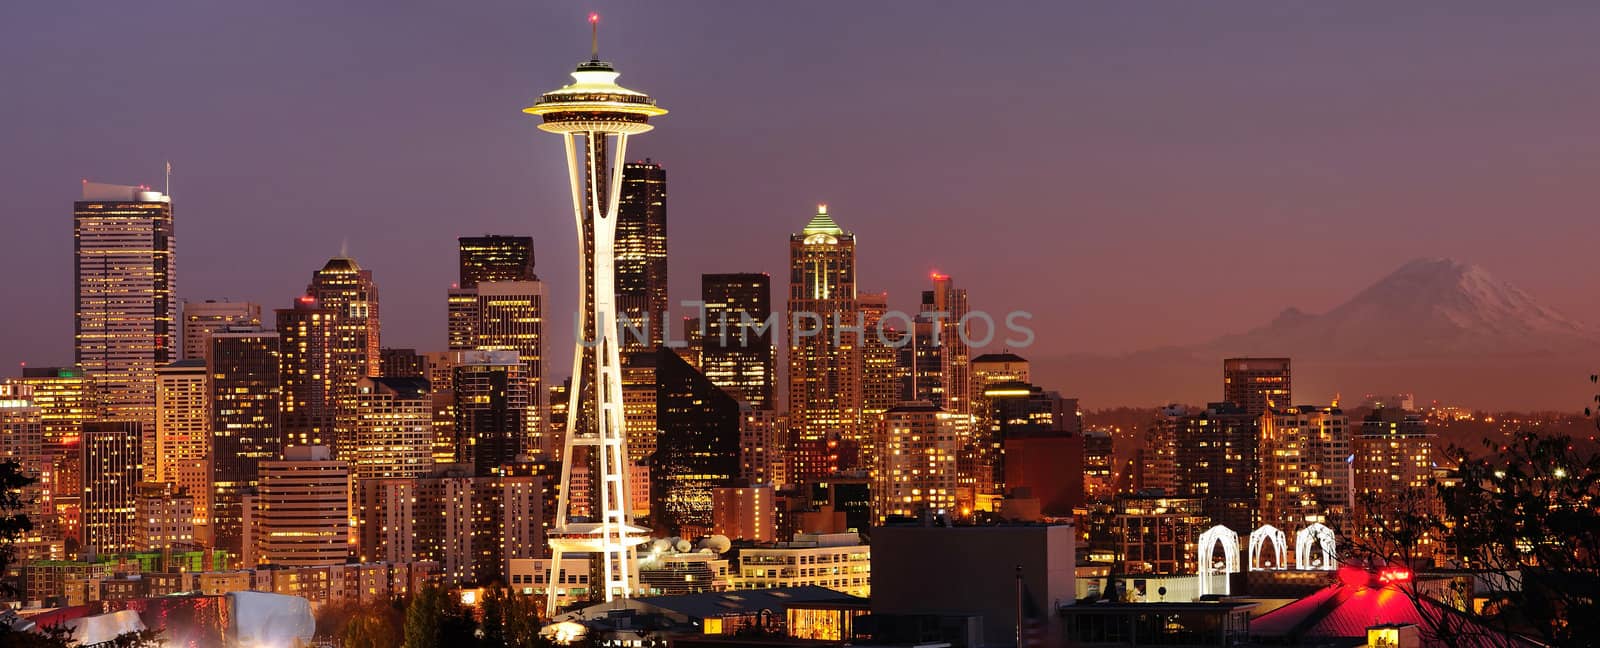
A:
1142	183
845	458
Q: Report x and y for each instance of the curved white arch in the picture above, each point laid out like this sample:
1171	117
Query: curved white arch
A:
1230	557
1230	550
1279	548
1314	548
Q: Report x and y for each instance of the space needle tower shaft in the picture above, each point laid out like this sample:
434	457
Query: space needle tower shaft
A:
595	117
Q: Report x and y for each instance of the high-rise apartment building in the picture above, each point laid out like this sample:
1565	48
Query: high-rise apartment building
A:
246	411
126	322
394	428
1392	453
1216	460
736	349
164	518
1392	467
344	288
299	516
641	251
698	447
825	383
492	403
763	444
494	257
111	476
1157	534
1157	463
306	338
1099	465
67	399
916	473
180	449
1256	384
439	367
202	318
22	441
471	526
1305	472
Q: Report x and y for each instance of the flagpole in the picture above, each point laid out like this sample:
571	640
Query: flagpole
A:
1019	606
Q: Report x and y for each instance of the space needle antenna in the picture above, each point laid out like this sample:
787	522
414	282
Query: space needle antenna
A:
594	36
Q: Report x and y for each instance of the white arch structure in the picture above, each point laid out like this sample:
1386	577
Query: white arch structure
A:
1279	549
1314	548
1230	557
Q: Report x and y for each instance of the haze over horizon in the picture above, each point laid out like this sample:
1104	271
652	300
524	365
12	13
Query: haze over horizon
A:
1134	178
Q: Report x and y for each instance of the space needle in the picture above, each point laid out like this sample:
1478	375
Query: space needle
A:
594	117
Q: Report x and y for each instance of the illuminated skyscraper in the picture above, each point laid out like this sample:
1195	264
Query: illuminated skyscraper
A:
341	286
946	307
22	441
491	407
599	115
922	361
1216	459
300	514
495	258
505	316
698	447
126	323
825	396
882	376
763	443
1256	384
245	421
111	475
310	394
394	428
736	351
642	251
639	405
66	399
988	369
201	319
181	452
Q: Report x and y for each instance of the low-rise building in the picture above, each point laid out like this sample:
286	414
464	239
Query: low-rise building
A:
838	561
955	573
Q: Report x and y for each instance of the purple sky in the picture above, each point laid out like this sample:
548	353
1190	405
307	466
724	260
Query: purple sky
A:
1135	174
